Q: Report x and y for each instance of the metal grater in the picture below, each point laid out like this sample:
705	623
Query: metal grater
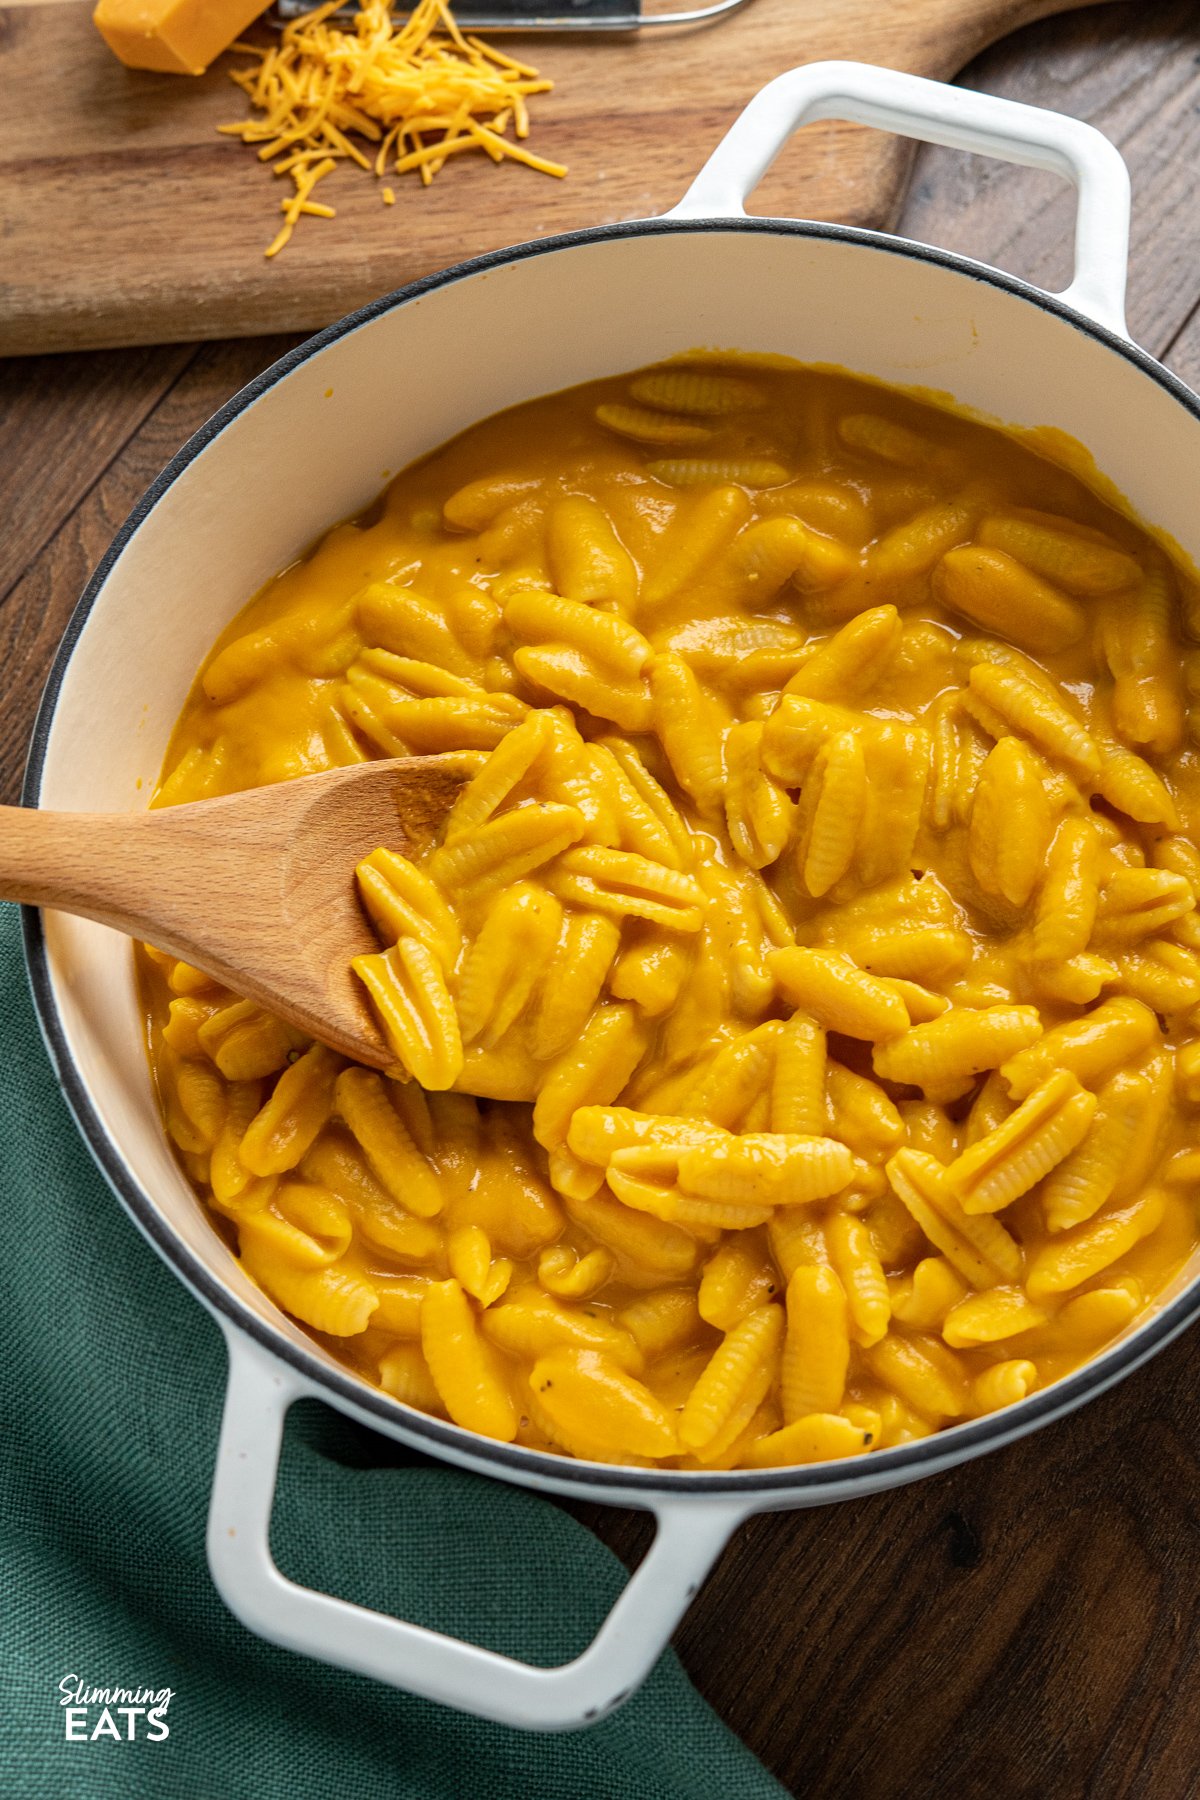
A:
558	15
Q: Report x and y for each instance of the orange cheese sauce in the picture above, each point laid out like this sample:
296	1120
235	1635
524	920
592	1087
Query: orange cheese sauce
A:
797	1022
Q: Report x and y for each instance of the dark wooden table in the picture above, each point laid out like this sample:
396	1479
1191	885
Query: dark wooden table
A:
1026	1627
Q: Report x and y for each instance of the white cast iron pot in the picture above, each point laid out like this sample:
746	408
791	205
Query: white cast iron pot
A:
309	443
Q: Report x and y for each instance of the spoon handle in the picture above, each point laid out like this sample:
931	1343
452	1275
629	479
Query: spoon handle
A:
99	865
165	876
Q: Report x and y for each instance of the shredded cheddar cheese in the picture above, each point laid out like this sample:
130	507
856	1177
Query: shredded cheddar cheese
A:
420	92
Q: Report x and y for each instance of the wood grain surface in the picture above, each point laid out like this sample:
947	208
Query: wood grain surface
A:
126	219
1026	1627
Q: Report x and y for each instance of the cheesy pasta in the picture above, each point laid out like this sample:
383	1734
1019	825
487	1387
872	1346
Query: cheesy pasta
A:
796	1021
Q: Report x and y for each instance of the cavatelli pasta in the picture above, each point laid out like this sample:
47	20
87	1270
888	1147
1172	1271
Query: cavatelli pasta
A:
838	994
407	988
1011	823
733	1383
700	392
331	1300
234	1186
280	1133
1135	902
763	556
509	765
897	772
473	506
361	1098
1142	651
923	1373
246	1042
570	1177
795	1017
402	901
1091	1048
655	798
816	1351
690	730
821	1437
728	1086
1066	907
877	435
1004	1384
795	732
854	1260
1099	1166
1128	783
832	807
652	974
1078	1255
909	951
626	885
504	964
695	471
505	849
336	1163
587	559
529	1323
861	1114
980	1249
196	1118
944	1056
798	1102
930	1128
992	589
759	815
848	664
1037	715
645	425
946	746
971	650
695	540
396	618
1163	975
571	979
996	1316
584	681
478	1273
649	1251
753	1167
737	1278
1015	1155
592	1073
594	1401
468	1376
643	1180
541	617
834	507
926	1298
598	1132
664	1321
1076	558
638	826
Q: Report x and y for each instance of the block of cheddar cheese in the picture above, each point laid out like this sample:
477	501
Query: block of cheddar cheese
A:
177	37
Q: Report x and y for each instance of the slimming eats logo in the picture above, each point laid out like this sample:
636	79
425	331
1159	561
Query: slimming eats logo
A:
92	1713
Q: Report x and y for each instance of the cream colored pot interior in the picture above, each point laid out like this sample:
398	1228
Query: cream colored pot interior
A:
315	446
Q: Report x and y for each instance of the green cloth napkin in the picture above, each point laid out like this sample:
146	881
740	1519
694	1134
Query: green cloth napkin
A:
112	1379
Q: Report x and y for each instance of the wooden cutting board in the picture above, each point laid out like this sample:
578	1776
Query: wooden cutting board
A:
125	218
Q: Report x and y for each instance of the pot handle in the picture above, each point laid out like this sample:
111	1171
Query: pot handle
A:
937	114
691	1535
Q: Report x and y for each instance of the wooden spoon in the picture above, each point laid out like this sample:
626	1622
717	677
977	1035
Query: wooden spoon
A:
257	889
